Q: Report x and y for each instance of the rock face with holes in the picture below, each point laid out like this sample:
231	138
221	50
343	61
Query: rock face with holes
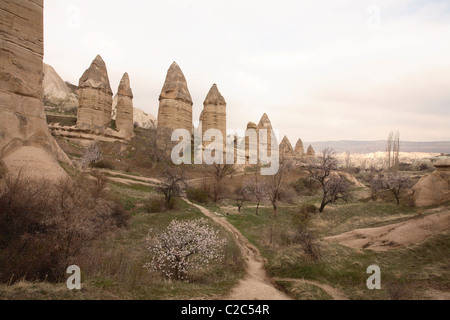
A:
95	96
124	108
214	115
25	140
434	189
175	102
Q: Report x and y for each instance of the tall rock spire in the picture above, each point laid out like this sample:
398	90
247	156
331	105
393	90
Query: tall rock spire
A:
175	102
299	148
124	111
26	144
286	150
265	124
311	152
95	96
214	114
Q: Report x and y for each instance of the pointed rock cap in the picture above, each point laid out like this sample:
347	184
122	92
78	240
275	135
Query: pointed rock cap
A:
96	76
299	147
311	151
124	86
286	144
265	123
214	97
175	87
251	125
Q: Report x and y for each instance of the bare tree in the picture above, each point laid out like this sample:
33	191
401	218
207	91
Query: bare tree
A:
91	154
333	188
240	197
254	187
173	182
219	172
276	184
394	183
147	145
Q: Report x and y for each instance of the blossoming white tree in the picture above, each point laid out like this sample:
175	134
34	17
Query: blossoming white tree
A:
91	154
183	247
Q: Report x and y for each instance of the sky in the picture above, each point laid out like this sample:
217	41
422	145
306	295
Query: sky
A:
321	70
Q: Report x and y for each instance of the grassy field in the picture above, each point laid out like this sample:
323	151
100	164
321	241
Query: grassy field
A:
113	268
407	273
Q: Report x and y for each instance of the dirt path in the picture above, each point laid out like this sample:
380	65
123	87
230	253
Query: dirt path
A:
396	235
333	292
255	285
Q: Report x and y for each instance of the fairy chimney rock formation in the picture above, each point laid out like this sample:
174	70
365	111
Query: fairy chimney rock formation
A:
95	96
251	144
175	102
310	152
265	124
286	150
299	148
124	108
25	140
214	114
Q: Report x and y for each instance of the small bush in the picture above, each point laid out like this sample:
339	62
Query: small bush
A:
197	194
398	291
310	245
305	187
104	164
156	205
308	208
289	196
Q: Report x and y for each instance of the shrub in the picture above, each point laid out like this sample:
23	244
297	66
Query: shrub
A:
310	245
288	195
305	187
44	229
155	205
301	219
104	164
308	208
199	195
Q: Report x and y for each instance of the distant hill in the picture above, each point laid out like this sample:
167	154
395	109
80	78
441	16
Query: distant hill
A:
376	146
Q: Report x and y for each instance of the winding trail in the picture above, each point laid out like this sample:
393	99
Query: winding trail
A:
256	284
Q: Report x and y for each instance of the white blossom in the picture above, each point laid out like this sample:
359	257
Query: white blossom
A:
183	247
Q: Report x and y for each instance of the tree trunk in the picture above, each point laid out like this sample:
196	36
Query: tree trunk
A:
322	207
275	210
257	209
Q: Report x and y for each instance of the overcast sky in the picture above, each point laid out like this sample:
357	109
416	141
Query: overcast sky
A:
321	70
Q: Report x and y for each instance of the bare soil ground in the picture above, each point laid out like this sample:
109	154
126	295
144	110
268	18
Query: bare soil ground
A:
396	235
